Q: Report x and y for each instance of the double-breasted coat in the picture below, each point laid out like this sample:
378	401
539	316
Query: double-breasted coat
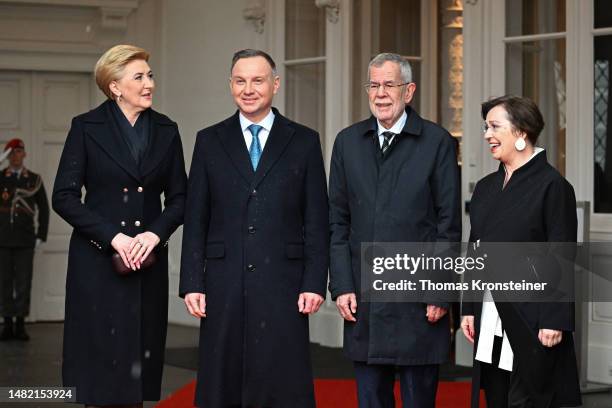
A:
115	326
537	205
412	195
252	242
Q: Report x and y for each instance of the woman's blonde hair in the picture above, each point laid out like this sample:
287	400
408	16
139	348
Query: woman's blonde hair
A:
110	66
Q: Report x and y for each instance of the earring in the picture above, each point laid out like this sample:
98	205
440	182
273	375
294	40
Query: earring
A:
520	144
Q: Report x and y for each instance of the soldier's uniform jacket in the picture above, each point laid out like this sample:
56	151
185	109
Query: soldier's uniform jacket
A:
22	198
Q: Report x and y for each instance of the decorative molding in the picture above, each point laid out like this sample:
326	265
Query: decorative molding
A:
113	13
332	7
455	81
471	2
457	22
115	18
456	6
130	4
255	13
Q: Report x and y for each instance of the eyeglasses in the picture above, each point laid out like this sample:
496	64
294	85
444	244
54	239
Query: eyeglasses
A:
374	86
494	127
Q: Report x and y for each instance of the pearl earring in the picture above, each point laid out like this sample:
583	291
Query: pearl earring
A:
520	144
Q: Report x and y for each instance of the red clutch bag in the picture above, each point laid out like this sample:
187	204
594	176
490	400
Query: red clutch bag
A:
121	269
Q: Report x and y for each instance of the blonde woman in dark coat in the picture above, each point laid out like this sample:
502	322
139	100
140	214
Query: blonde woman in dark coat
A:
125	155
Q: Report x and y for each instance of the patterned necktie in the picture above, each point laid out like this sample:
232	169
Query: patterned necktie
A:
255	149
386	142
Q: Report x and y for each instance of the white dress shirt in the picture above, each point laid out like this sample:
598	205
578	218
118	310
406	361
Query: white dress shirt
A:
265	123
16	171
396	128
491	326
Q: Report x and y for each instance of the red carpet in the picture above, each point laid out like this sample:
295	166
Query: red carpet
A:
342	394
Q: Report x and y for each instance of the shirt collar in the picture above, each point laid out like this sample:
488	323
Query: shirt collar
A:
397	127
536	150
266	122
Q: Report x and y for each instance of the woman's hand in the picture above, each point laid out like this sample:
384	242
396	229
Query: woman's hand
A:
121	243
467	325
550	338
141	246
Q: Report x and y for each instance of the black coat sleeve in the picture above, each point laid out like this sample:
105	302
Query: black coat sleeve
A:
446	194
66	198
446	190
316	224
197	217
341	275
561	224
43	212
174	195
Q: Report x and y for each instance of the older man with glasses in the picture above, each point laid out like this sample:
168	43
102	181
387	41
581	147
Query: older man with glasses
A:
394	178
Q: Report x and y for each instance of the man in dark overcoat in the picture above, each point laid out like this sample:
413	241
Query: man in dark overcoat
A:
255	247
23	206
394	178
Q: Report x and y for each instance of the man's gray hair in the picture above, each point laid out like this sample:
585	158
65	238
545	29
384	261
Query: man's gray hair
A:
380	59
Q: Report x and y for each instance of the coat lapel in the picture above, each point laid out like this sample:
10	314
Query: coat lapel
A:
369	151
104	131
278	139
162	133
503	204
232	140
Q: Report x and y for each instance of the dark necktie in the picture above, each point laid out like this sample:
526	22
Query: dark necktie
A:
386	142
255	149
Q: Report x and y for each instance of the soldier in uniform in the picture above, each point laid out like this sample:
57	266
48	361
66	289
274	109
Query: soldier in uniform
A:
22	198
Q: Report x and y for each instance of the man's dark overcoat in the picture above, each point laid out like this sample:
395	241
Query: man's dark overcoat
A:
252	242
412	195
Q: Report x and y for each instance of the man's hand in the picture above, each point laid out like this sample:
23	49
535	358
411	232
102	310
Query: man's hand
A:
467	325
309	303
550	338
347	306
196	304
435	313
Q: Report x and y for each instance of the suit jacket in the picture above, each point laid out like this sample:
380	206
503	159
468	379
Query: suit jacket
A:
412	195
21	201
537	205
253	241
115	326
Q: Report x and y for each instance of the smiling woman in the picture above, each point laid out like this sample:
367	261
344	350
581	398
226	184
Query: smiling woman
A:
524	351
126	155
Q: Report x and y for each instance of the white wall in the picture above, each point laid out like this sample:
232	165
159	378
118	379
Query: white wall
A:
198	39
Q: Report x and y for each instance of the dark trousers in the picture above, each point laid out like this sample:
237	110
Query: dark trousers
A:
503	389
418	385
15	281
